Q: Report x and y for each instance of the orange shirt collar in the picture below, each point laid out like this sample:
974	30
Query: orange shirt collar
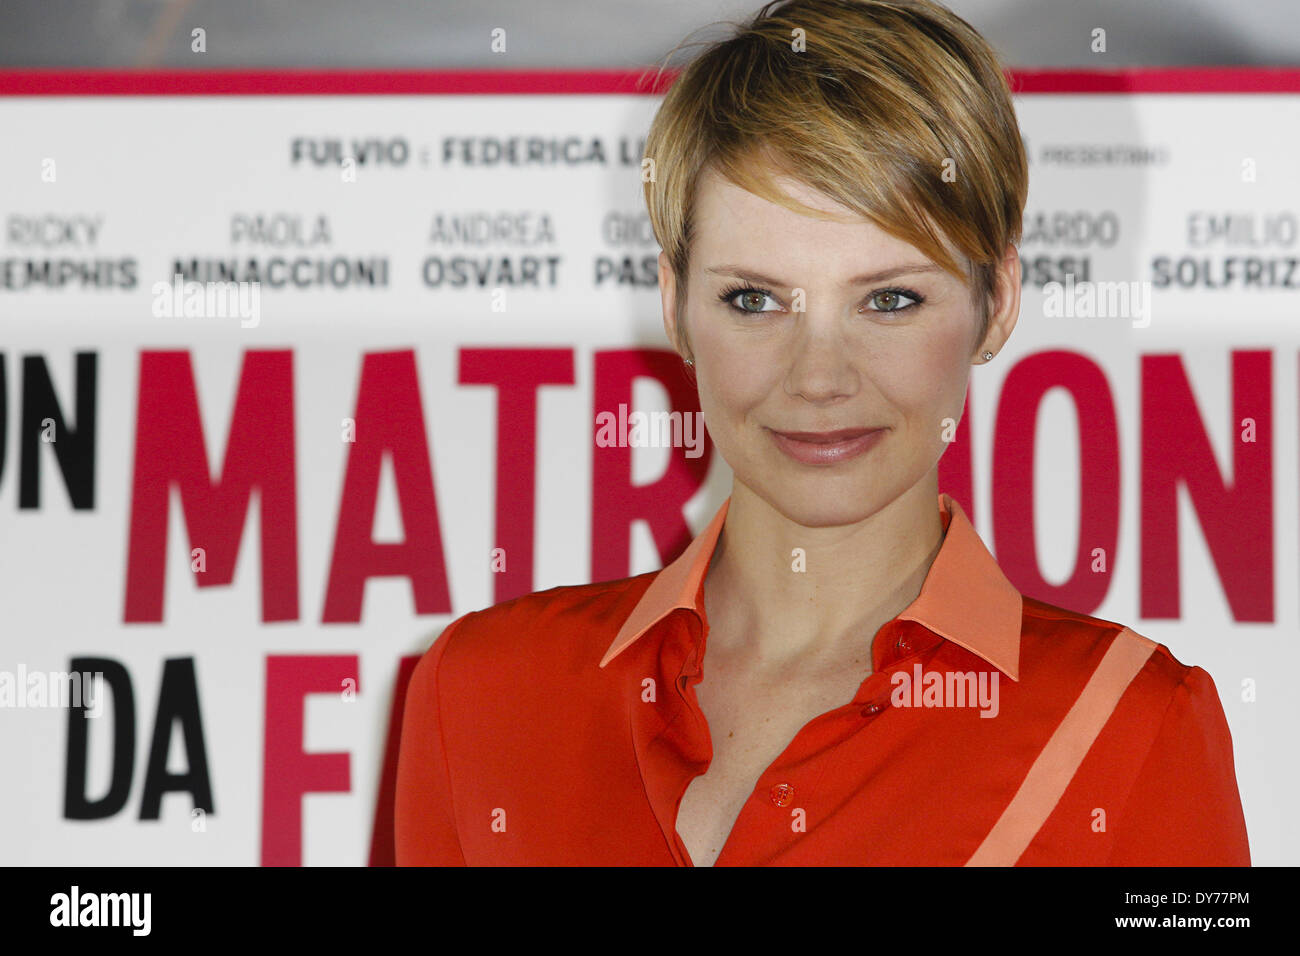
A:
965	597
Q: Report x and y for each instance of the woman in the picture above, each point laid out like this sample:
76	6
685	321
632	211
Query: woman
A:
835	671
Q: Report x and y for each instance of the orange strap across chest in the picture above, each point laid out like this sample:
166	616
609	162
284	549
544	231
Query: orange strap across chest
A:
1059	760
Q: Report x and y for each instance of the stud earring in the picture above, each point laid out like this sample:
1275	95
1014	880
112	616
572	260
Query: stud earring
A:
988	356
690	362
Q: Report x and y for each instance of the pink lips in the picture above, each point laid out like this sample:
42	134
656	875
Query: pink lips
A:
827	448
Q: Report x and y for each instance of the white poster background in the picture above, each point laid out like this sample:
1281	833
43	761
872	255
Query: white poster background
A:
167	174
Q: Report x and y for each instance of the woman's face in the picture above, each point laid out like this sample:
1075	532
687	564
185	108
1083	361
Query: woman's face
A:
880	353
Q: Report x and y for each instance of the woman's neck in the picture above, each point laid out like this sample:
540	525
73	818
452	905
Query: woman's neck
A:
765	612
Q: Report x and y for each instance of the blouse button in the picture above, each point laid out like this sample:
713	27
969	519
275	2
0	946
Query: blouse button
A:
782	794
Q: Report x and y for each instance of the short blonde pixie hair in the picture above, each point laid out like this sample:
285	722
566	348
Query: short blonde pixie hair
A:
897	109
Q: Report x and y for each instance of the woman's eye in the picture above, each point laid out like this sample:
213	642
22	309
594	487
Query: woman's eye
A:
888	300
760	301
750	300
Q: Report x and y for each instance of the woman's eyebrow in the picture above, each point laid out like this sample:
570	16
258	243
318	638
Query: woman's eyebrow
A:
749	275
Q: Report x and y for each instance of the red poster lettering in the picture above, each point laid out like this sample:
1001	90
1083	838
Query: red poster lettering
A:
517	374
287	771
169	451
1236	516
388	420
1013	477
615	501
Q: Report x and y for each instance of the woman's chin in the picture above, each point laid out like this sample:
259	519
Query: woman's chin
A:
825	503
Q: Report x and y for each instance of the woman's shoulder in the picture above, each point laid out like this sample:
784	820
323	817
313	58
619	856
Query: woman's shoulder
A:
564	626
1073	644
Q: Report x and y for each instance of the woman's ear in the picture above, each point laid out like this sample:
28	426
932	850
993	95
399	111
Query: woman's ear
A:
1005	307
668	299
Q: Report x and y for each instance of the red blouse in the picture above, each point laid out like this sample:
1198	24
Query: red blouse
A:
562	728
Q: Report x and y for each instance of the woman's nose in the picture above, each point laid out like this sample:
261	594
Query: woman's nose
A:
821	365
